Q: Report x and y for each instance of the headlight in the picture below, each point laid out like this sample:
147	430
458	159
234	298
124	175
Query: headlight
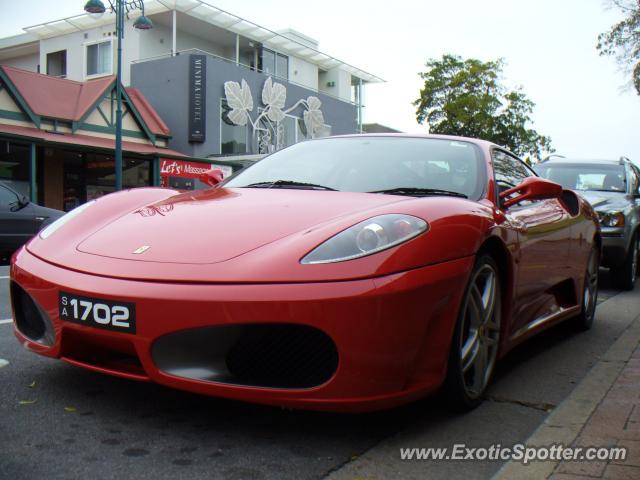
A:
368	237
611	219
51	229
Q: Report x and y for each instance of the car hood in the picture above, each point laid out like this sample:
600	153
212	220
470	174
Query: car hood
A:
605	201
252	235
211	226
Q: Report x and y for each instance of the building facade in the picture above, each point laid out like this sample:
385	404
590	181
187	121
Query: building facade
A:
322	95
57	140
201	84
208	126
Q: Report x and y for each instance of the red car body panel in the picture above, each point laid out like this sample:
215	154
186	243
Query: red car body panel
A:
381	337
391	314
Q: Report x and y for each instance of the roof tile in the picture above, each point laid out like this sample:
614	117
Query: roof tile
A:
70	100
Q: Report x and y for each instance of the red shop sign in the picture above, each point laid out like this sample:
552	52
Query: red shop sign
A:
181	168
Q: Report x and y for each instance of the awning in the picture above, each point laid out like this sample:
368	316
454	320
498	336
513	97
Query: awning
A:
49	138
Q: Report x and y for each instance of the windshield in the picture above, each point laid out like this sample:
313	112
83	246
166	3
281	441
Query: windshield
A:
586	176
373	164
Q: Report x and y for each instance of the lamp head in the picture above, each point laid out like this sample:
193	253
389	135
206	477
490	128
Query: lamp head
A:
143	23
94	6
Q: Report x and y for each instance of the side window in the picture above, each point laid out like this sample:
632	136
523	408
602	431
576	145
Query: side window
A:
632	178
509	171
7	199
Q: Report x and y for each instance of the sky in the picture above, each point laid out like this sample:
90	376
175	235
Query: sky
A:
583	101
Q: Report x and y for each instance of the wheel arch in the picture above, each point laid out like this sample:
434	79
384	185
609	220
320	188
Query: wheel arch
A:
496	248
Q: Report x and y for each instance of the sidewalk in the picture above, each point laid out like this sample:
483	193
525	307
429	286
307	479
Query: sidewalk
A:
603	411
615	422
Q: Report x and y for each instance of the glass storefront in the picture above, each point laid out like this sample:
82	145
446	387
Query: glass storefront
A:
15	166
88	176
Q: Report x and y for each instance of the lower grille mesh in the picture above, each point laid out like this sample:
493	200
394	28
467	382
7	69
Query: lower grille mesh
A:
285	356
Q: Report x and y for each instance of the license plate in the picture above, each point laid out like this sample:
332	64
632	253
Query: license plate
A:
98	312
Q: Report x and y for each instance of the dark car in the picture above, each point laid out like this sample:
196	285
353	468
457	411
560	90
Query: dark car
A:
611	186
20	219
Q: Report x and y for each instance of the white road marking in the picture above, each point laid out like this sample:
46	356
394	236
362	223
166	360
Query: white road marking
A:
4	277
3	362
6	320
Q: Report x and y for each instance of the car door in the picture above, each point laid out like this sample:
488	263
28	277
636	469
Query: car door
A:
543	230
17	221
633	187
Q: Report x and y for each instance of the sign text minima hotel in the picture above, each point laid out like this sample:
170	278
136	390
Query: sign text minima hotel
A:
197	97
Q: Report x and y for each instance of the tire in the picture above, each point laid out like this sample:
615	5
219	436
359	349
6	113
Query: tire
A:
584	321
476	338
624	277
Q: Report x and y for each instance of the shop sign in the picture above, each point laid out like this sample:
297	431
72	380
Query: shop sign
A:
197	97
180	168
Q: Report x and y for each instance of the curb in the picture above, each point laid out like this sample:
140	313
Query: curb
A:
567	421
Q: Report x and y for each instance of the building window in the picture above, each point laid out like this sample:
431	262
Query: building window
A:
267	62
282	66
272	63
57	64
99	58
233	138
15	166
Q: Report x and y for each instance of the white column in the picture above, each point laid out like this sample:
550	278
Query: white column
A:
237	49
360	104
173	44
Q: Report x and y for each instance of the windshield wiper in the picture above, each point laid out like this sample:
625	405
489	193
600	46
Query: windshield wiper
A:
420	192
289	184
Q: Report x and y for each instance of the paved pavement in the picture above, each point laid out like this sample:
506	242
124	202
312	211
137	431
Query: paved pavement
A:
64	422
602	411
615	422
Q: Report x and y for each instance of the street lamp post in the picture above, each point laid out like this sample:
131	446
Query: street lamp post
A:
121	8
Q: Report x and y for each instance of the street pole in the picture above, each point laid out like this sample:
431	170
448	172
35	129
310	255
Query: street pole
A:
121	8
119	33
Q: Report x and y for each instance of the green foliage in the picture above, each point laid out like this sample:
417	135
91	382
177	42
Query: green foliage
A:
622	41
465	97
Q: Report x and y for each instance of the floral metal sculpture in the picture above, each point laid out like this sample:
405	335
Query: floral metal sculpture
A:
268	123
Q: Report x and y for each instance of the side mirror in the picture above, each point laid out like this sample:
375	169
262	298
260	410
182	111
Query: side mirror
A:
212	177
21	202
532	188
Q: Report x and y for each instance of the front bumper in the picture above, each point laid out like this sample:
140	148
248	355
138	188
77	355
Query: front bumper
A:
391	334
614	247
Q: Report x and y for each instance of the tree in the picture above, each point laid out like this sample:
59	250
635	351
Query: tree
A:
465	97
622	41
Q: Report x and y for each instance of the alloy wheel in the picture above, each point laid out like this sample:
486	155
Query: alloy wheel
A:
480	331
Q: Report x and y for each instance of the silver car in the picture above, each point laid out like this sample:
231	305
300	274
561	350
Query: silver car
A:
612	188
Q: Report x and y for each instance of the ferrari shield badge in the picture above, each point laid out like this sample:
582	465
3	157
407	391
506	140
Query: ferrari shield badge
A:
141	249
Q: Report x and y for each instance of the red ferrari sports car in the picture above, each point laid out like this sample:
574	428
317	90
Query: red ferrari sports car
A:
349	273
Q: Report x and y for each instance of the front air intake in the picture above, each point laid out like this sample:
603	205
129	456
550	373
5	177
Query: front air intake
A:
260	355
31	320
